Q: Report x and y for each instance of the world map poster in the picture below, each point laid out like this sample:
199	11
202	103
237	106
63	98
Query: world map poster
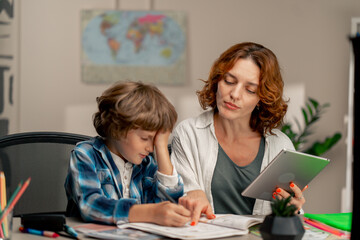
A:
147	46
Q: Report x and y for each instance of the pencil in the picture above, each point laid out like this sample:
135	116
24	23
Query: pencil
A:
167	195
324	227
14	200
4	225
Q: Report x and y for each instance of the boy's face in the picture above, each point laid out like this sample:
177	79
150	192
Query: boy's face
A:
134	147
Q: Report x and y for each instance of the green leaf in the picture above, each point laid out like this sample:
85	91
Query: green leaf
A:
314	102
282	207
298	124
319	148
325	105
311	114
305	116
289	132
309	109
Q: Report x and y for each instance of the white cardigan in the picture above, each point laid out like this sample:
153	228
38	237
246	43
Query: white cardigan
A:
195	151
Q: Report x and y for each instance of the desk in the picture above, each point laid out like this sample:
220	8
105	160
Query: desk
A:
17	235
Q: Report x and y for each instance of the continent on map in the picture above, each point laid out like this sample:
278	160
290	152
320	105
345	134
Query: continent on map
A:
108	22
149	24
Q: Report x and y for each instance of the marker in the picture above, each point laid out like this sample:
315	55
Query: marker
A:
70	231
167	195
39	232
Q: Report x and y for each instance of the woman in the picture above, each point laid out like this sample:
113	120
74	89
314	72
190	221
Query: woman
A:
220	152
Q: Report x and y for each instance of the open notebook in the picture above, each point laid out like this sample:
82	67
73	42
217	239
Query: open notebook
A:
224	225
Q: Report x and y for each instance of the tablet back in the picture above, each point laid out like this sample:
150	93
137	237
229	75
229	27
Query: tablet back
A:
288	166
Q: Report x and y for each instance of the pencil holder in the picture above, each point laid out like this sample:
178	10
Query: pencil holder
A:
6	227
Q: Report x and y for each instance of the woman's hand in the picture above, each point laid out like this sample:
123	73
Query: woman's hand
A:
164	213
297	199
197	203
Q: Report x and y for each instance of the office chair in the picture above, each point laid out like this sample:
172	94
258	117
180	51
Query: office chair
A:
43	156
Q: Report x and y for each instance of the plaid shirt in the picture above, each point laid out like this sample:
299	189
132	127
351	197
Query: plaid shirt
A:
94	184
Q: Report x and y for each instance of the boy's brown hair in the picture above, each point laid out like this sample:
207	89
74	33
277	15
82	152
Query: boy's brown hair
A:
132	105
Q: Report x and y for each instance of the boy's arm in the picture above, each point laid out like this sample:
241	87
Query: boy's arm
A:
85	188
168	178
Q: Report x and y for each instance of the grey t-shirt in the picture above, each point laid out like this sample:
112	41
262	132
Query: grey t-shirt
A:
229	180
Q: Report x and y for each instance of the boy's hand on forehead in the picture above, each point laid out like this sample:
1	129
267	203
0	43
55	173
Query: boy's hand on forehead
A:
162	153
161	138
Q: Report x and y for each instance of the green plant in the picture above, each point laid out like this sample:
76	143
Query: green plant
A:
282	207
311	113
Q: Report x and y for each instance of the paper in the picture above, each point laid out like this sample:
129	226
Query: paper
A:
128	234
241	222
222	226
100	231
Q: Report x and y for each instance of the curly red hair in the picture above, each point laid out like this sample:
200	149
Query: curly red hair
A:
272	107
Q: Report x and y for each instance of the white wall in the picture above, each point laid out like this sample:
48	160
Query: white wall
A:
309	37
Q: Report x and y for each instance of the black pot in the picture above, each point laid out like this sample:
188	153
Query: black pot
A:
282	228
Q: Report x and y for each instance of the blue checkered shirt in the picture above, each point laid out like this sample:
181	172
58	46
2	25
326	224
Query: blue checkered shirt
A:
94	184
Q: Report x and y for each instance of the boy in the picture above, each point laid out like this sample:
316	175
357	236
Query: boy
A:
112	176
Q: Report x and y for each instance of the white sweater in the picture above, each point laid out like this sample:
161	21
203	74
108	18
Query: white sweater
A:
195	151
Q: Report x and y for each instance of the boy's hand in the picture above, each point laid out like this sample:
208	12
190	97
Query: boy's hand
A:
162	156
170	214
164	213
198	204
161	139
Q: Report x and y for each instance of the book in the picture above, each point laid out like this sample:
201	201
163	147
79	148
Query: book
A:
340	221
224	225
324	229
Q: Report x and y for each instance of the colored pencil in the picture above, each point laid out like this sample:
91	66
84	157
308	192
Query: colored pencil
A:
3	203
1	233
14	200
324	227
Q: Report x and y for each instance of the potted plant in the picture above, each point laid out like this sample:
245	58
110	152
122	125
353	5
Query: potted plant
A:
311	114
283	223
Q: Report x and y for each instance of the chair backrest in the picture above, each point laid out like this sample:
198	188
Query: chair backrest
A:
43	156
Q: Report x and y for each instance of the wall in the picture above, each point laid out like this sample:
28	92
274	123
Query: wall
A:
309	38
9	67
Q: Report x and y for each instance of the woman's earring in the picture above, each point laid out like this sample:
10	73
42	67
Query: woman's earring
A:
257	107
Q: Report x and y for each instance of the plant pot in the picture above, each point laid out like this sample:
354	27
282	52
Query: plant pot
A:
282	228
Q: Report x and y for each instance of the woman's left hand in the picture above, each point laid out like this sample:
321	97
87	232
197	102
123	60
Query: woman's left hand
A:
297	199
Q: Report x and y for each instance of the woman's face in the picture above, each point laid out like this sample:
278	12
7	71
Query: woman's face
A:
236	95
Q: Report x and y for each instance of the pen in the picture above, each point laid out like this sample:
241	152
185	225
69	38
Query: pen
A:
66	235
70	231
38	232
167	195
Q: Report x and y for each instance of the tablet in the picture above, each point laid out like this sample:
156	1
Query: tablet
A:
288	166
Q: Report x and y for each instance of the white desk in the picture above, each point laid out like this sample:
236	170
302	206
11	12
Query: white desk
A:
17	235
